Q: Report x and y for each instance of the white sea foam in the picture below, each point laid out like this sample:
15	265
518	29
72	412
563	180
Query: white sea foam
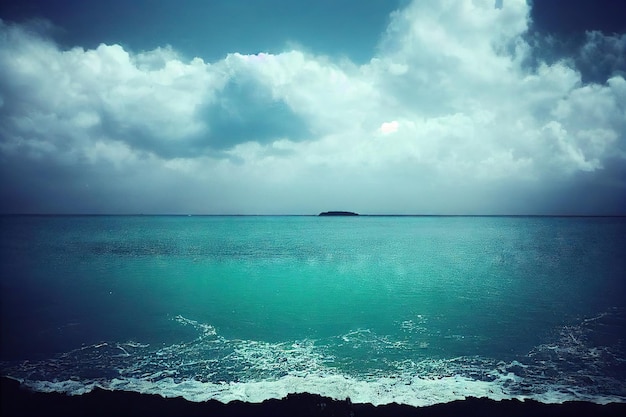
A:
206	329
70	387
412	391
212	367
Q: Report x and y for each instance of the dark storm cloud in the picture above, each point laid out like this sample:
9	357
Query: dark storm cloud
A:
595	55
598	193
602	57
590	34
48	186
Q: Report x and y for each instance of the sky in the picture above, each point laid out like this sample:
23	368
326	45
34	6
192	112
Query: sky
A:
297	107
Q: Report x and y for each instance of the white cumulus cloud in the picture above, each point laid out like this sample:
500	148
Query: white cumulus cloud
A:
474	128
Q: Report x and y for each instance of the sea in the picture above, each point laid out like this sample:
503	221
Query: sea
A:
415	310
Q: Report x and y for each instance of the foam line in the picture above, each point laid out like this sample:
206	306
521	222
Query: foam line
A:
415	392
212	367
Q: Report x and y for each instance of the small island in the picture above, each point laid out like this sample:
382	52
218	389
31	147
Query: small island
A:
338	213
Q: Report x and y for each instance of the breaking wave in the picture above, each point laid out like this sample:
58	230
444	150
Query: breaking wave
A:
583	362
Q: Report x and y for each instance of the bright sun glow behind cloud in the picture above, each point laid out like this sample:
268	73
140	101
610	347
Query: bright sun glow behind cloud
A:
389	127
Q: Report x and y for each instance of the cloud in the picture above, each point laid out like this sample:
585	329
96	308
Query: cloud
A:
602	56
446	118
246	111
389	127
151	101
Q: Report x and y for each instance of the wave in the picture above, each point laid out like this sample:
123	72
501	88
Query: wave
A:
402	389
573	366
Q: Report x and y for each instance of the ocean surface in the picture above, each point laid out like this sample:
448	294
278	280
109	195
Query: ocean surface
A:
413	310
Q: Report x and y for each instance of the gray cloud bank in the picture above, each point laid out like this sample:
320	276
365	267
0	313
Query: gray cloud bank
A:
448	118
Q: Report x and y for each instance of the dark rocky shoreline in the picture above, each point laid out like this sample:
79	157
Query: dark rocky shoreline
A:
19	401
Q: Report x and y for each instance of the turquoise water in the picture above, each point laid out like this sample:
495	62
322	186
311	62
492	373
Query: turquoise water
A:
416	310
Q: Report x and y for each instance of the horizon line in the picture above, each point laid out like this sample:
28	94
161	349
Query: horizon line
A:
297	215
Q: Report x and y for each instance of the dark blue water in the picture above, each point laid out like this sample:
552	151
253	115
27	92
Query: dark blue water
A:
416	310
